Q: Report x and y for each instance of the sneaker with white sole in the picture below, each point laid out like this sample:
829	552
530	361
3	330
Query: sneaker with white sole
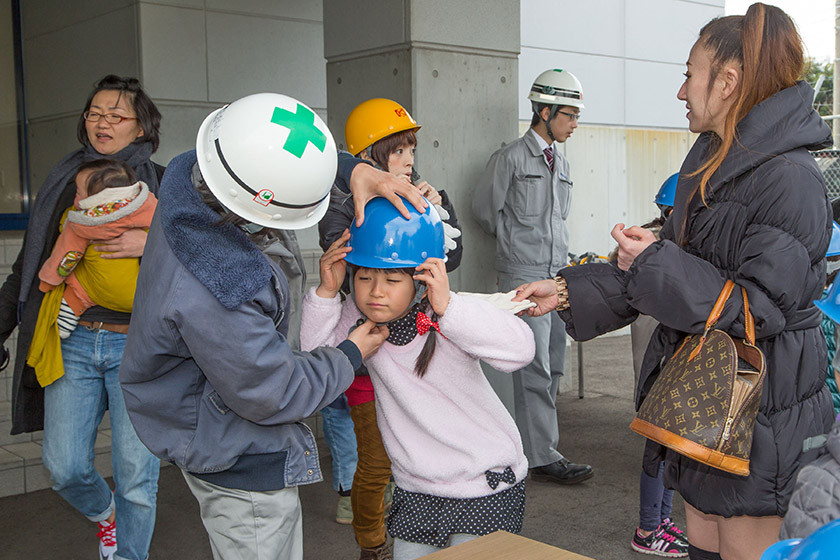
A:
107	540
671	528
659	543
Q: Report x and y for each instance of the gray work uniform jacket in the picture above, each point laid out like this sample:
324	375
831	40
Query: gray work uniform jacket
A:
525	207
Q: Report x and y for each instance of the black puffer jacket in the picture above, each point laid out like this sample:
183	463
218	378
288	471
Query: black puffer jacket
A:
766	225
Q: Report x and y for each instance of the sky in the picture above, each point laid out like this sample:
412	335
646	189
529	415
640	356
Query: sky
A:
814	18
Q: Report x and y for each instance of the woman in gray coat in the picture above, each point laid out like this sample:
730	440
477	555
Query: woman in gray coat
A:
750	207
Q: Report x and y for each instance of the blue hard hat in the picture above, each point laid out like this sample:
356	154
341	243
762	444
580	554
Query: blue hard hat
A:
822	543
830	304
667	192
387	240
834	244
780	550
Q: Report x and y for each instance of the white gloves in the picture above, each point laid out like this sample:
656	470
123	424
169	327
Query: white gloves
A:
449	233
502	301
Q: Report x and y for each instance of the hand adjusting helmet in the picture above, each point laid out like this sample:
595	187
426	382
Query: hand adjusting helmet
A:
270	159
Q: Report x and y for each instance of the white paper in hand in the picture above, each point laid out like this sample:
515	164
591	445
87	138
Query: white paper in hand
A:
503	301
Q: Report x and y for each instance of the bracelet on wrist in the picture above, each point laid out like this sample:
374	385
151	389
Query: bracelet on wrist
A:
562	293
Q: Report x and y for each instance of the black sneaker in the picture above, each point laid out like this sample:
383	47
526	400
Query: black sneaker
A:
671	528
660	543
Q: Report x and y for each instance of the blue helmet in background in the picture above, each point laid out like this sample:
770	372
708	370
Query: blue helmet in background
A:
387	240
830	304
822	543
834	244
780	550
667	192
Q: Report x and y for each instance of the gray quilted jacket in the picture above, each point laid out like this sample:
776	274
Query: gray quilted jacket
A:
816	497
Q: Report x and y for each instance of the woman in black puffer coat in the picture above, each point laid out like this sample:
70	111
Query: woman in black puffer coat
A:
751	207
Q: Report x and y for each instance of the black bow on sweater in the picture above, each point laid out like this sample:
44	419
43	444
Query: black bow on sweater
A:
493	478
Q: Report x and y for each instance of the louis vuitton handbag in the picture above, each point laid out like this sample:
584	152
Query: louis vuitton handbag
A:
705	400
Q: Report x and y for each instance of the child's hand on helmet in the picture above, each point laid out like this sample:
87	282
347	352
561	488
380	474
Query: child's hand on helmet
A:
429	192
433	273
333	267
368	337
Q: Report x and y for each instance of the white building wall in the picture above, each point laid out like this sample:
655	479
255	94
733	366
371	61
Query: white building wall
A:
629	56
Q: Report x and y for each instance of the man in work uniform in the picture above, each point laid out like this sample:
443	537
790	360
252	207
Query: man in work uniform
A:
523	200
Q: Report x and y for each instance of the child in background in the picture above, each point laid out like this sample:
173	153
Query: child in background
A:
656	533
830	315
456	453
383	133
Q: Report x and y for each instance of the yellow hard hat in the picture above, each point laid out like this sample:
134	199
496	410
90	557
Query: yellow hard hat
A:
373	120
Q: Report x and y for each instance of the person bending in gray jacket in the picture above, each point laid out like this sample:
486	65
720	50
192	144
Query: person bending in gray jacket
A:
816	496
210	380
523	200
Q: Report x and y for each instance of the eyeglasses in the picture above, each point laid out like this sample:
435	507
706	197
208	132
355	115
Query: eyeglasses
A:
572	116
110	118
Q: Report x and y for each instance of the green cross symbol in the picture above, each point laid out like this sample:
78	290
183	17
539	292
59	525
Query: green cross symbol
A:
302	129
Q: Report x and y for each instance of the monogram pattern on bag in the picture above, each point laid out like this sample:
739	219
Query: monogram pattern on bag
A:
692	399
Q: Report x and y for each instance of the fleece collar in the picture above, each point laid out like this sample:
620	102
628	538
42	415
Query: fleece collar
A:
221	257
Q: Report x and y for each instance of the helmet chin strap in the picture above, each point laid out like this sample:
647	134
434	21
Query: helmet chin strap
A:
547	122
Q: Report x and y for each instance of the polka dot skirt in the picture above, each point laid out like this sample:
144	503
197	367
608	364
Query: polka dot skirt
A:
426	519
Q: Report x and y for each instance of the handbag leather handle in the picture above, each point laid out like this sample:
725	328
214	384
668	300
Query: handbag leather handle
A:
717	310
749	320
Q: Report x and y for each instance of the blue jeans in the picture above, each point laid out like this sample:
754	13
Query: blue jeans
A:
654	501
341	439
75	405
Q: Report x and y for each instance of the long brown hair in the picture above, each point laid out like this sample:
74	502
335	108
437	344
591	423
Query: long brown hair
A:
766	45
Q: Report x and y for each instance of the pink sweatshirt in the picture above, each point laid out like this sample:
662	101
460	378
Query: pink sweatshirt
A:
442	431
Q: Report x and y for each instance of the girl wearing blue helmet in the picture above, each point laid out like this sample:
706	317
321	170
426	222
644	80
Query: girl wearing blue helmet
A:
455	451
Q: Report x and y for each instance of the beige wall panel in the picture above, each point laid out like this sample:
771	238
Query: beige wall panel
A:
311	10
48	16
62	66
248	54
49	141
174	53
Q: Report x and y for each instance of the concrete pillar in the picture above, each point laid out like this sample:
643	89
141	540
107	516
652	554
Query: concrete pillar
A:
453	65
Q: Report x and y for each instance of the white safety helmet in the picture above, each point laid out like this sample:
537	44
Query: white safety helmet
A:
557	87
269	159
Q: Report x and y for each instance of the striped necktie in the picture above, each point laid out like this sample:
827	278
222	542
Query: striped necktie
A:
549	158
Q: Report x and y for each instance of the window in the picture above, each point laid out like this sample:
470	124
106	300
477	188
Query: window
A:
14	187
